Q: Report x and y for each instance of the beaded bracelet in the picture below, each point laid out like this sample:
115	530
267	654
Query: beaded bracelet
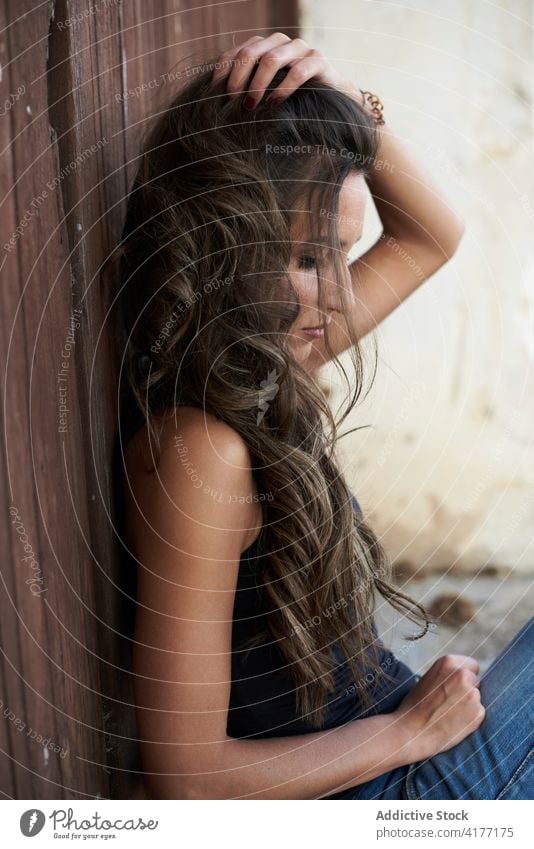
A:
376	106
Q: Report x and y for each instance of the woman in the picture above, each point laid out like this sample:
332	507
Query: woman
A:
255	648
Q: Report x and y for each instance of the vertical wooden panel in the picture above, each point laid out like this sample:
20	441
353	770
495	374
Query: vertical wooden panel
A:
69	137
284	16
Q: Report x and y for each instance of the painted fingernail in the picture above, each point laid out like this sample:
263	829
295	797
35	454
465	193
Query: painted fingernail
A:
249	102
270	101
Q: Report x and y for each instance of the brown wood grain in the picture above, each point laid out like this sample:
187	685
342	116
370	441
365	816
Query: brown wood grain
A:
69	143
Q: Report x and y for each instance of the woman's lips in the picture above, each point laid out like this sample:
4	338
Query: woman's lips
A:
314	332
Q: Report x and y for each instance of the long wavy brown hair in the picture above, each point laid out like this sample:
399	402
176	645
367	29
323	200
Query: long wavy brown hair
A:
204	303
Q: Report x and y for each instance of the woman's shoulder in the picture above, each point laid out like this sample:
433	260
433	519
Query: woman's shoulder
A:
186	427
201	462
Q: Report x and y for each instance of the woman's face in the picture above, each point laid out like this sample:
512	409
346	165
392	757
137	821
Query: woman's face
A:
349	223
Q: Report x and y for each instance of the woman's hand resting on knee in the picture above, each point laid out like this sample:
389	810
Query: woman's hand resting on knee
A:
444	706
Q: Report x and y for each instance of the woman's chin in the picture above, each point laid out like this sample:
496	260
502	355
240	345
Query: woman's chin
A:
302	349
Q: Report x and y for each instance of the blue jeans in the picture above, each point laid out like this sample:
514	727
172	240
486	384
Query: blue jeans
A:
495	761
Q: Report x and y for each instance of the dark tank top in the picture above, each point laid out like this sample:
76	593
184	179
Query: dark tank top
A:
262	697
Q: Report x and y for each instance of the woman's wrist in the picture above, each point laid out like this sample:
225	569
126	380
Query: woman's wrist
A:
373	105
367	99
414	736
395	738
409	737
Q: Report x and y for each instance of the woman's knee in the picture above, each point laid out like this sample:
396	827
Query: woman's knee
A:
509	680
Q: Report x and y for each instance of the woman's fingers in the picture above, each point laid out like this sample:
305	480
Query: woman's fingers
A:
467	661
303	61
451	662
310	66
224	63
247	56
269	55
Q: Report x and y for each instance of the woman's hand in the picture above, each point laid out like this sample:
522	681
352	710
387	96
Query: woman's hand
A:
444	706
270	54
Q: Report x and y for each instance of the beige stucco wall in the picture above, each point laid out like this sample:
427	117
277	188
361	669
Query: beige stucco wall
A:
446	470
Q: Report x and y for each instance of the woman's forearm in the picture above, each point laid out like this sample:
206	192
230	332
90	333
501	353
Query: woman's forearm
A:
411	205
304	766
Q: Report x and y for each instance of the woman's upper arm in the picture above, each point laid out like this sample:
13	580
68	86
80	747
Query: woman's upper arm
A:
192	522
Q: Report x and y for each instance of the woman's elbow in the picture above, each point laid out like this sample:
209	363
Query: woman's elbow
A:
185	787
214	775
451	243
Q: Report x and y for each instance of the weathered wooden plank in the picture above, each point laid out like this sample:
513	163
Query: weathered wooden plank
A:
92	199
57	640
69	137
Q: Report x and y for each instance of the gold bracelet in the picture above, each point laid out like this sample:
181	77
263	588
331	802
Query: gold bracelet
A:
376	106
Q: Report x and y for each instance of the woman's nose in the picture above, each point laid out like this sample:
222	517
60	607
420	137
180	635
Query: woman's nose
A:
334	301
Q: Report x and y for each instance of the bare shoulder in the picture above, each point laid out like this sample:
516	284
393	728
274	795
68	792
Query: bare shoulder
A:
201	471
190	518
189	429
